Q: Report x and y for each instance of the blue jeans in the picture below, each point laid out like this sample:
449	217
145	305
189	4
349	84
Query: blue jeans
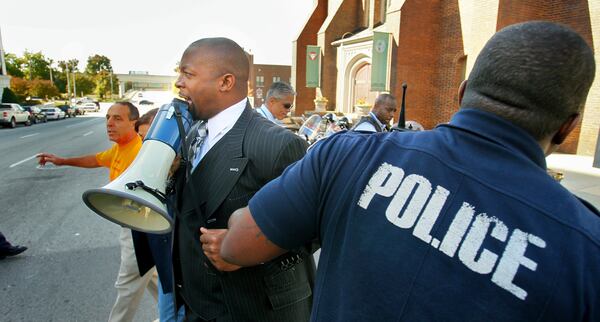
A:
166	307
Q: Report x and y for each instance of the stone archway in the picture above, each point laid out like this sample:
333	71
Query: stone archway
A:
357	82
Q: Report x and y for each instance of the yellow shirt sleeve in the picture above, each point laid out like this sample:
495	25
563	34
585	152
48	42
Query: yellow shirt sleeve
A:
105	158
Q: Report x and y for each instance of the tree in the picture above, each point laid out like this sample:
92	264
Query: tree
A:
98	63
85	84
14	65
9	96
102	80
42	88
19	86
66	67
36	65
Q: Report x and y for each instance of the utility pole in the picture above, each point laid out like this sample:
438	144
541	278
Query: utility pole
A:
50	62
2	62
74	85
68	82
111	84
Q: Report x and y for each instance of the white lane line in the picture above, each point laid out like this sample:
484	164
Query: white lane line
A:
22	161
82	123
88	133
28	136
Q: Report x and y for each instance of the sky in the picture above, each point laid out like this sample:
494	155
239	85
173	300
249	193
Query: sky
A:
150	35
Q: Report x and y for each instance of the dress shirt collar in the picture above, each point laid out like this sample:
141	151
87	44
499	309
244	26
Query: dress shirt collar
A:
264	110
377	120
221	123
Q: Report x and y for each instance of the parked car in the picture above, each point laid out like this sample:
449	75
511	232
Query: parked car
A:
35	114
91	107
69	110
53	113
11	114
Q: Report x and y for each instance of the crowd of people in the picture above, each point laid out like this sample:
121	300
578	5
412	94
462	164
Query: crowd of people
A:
458	223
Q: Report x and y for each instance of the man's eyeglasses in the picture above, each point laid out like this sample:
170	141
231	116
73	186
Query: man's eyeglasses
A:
288	106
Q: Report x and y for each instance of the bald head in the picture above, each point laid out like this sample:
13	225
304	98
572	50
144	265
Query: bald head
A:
213	76
226	56
535	74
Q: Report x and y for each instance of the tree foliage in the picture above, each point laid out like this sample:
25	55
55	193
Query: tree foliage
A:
97	64
19	86
84	83
36	88
14	65
36	65
42	88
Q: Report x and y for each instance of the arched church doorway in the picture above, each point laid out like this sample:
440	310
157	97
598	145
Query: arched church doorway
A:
362	86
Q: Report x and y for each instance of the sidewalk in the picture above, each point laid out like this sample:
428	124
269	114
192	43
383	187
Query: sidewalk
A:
580	177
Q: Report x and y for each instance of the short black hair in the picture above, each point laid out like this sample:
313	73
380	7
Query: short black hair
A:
134	114
385	98
146	118
534	74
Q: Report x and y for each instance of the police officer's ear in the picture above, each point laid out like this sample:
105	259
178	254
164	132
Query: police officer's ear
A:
461	91
567	127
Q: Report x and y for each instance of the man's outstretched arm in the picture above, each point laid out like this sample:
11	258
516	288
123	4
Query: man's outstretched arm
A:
86	161
245	244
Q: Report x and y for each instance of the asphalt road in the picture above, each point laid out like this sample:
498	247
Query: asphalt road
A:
69	271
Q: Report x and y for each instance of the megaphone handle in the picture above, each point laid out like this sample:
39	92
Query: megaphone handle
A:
182	135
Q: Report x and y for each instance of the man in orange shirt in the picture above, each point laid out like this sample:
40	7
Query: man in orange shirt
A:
120	127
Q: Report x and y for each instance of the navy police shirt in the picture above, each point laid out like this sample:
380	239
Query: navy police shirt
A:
460	223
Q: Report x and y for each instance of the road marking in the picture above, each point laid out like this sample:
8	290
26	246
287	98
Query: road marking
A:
29	135
86	122
88	133
22	161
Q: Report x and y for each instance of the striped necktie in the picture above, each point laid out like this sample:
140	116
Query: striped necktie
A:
201	131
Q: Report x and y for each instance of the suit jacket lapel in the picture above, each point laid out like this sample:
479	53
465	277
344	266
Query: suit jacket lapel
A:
220	169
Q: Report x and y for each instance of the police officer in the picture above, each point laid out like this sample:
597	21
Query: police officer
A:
460	223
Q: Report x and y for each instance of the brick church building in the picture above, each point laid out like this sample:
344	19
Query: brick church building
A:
433	45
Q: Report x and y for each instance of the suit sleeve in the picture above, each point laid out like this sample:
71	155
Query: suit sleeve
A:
293	151
286	209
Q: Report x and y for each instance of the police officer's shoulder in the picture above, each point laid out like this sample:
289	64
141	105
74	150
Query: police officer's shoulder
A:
589	206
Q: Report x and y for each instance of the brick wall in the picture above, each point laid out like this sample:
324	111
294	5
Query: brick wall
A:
268	72
438	41
573	13
346	19
451	65
308	36
417	58
591	116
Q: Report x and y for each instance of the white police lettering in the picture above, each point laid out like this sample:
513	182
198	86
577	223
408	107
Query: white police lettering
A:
412	196
376	185
512	258
457	229
412	211
430	215
474	240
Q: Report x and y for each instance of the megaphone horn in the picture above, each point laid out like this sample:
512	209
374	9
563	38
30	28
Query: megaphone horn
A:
136	199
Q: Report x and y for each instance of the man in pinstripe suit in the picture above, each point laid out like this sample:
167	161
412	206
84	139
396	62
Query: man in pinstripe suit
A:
233	153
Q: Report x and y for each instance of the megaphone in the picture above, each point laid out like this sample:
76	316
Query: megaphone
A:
136	198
